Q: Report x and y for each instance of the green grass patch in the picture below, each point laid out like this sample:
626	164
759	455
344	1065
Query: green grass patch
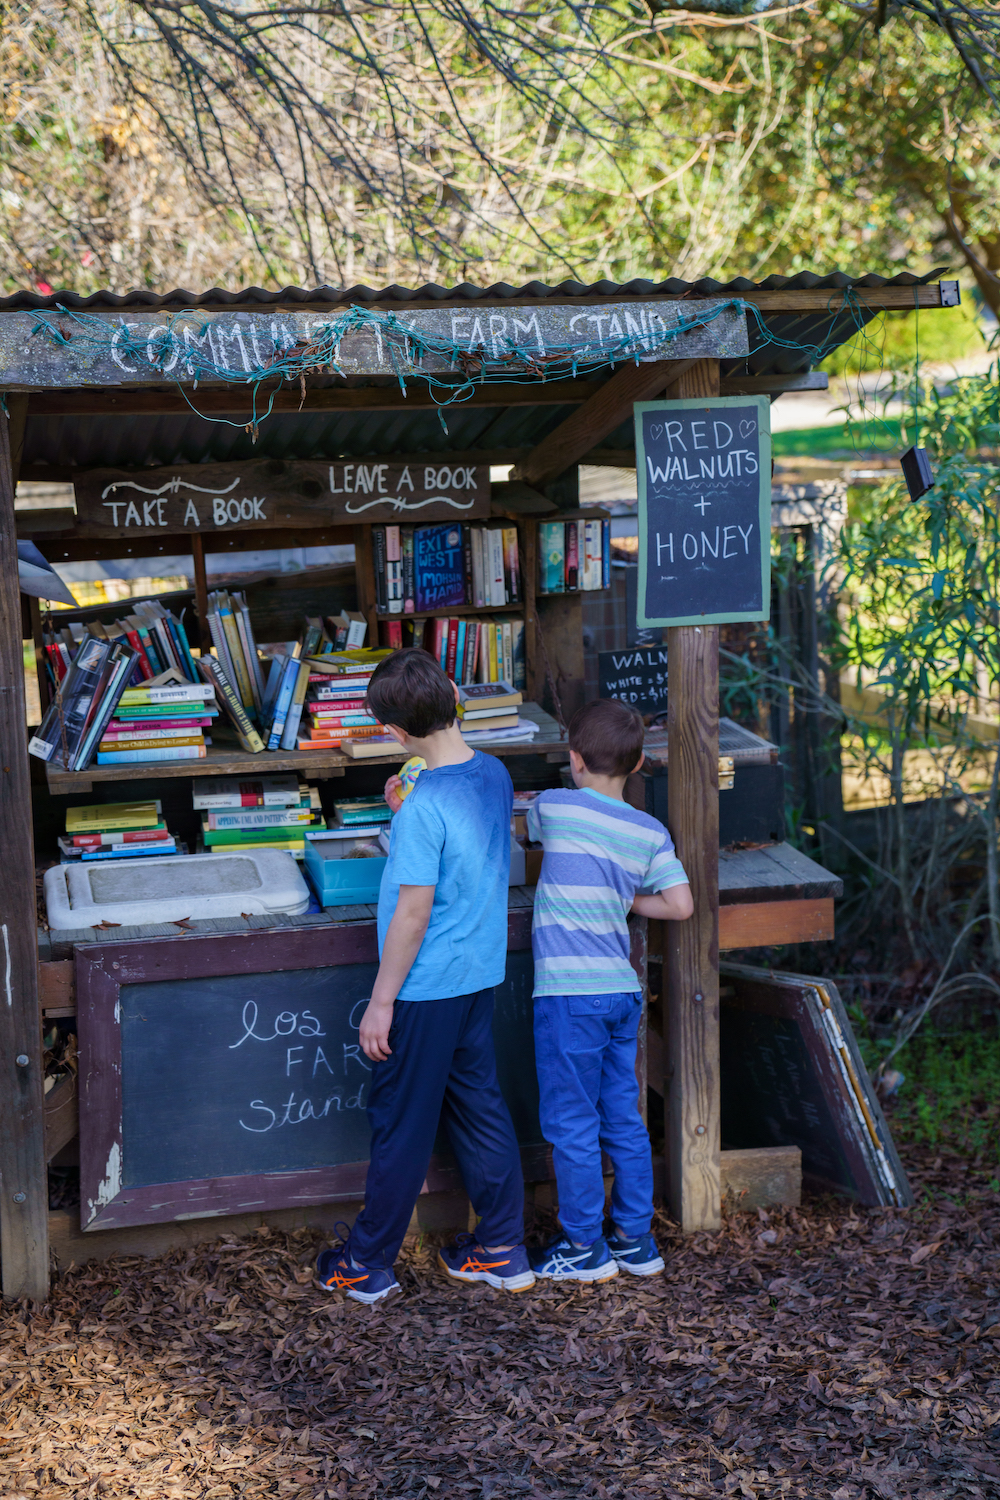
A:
850	439
951	1097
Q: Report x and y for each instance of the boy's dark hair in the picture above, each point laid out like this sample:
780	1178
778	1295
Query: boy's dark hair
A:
410	690
608	735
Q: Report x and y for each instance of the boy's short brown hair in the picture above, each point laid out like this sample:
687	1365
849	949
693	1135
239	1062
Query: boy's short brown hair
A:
608	735
410	690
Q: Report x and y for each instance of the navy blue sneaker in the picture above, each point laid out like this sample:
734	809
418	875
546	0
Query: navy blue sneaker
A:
337	1273
640	1257
466	1260
564	1261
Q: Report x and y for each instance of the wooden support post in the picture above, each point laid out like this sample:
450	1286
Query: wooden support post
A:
691	958
201	592
24	1198
364	574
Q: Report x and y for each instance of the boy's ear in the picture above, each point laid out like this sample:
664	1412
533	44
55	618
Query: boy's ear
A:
638	764
454	688
398	734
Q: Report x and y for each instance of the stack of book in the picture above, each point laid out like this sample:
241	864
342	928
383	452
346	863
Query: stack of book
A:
468	650
362	815
335	687
420	568
235	647
157	723
76	720
488	714
116	830
274	812
573	555
157	637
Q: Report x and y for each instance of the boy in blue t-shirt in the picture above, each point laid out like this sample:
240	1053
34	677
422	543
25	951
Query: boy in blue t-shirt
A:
602	860
428	1028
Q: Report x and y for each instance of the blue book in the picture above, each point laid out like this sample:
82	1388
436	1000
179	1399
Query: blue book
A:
126	851
439	567
274	676
460	652
180	639
283	701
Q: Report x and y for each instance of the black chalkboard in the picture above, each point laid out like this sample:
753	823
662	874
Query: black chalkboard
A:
704	480
792	1075
238	1074
637	676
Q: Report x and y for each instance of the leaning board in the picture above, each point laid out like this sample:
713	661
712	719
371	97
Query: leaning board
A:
223	1074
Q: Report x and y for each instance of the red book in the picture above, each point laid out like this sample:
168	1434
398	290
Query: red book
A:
123	836
135	641
392	633
452	649
440	642
58	664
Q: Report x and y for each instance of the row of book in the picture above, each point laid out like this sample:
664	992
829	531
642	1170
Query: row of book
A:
420	568
468	650
573	555
166	722
158	638
272	812
116	830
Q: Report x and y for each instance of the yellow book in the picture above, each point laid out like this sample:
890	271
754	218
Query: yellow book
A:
111	816
236	650
492	639
289	845
164	744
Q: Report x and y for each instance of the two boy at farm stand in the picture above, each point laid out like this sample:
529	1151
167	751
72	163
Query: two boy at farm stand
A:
442	932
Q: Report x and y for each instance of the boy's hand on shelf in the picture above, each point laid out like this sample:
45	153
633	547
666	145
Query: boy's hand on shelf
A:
374	1030
391	793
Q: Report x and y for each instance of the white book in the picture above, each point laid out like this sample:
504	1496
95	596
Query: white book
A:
498	590
507	670
478	596
191	693
238	791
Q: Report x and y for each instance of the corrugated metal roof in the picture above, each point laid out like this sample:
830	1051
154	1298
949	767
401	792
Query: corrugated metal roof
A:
138	441
501	291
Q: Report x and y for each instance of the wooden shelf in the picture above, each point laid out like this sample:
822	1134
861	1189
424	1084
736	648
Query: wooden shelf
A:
223	760
457	609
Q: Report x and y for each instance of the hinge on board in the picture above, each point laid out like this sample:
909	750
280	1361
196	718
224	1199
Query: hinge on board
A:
726	773
951	294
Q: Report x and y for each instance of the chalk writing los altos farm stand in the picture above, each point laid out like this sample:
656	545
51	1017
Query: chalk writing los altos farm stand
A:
220	423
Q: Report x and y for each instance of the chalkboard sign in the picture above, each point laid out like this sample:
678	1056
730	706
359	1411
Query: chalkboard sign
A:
704	479
792	1075
637	676
225	1074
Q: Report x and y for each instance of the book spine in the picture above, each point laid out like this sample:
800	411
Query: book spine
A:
232	704
492	662
572	557
476	536
124	836
467	561
451	649
179	635
391	632
606	554
498	585
406	568
146	697
130	757
261	818
289	679
242	680
166	847
394	570
294	719
460	651
512	563
120	674
519	675
135	641
154	744
508	664
341	721
249	640
379	559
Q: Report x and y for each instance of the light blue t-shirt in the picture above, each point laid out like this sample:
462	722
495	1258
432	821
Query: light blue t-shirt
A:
453	832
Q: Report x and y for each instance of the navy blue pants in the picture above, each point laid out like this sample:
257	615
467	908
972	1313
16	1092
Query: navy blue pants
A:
442	1069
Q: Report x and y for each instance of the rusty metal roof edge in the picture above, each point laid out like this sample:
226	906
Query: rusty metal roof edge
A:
328	296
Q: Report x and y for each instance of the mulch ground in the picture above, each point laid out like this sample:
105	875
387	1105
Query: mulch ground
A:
828	1351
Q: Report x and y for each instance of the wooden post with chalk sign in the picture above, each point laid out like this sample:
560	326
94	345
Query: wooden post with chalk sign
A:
702	470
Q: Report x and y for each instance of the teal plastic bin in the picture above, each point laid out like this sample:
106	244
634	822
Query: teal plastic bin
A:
338	881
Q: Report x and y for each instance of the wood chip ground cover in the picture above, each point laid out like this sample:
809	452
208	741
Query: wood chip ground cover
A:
830	1351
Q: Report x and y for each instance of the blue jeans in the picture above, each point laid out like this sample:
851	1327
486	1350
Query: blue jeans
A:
585	1049
442	1068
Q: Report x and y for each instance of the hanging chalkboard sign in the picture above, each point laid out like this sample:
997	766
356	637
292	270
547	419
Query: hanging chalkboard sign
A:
637	676
704	478
223	1074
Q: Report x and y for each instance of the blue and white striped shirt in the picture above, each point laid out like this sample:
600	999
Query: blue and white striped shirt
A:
599	854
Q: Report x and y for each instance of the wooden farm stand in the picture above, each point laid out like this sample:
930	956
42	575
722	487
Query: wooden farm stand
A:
67	420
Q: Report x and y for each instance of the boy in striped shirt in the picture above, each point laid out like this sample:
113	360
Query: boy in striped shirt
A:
602	860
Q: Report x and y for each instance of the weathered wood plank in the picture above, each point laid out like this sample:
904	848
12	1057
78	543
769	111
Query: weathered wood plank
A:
56	985
762	1177
24	1199
774	385
138	347
765	924
205	499
607	409
62	1117
235	402
691	970
776	873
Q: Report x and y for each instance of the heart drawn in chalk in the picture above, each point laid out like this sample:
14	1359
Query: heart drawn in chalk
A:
746	428
656	430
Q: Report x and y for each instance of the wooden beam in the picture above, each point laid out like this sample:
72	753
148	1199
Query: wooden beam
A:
774	385
201	592
237	400
24	1194
607	409
17	416
83	546
765	924
691	968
